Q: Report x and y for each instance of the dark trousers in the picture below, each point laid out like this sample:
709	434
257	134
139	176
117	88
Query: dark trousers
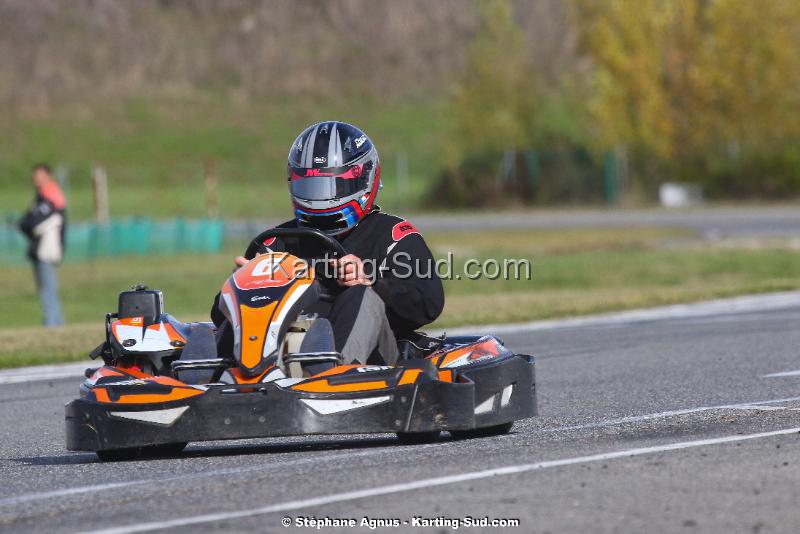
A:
360	327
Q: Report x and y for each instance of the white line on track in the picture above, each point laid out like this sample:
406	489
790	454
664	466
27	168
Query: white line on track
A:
671	413
784	373
433	482
45	372
67	492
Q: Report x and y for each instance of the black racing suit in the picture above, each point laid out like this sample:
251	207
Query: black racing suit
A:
406	279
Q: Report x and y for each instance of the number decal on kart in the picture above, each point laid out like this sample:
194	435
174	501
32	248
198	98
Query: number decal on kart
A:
271	270
267	267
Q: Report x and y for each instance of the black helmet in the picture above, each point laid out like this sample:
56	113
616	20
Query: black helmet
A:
334	176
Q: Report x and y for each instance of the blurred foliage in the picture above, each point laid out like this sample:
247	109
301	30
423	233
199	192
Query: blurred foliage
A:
492	106
698	91
489	109
500	112
702	91
540	96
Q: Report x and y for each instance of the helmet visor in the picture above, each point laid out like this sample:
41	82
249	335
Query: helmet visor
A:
329	183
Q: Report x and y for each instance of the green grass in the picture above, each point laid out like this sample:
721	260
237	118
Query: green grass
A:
90	289
574	272
154	152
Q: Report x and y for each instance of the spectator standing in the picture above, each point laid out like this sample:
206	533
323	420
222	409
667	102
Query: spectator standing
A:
44	225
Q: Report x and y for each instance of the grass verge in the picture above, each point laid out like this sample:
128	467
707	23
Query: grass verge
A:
154	152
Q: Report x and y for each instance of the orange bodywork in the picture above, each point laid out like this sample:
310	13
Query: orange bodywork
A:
446	375
255	322
134	371
172	334
456	354
105	371
101	394
323	386
409	376
488	347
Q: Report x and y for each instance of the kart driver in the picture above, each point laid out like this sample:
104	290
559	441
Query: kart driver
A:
388	286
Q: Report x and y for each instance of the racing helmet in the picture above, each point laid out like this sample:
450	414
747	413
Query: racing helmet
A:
334	175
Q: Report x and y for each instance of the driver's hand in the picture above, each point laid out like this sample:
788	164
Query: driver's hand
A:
350	271
239	261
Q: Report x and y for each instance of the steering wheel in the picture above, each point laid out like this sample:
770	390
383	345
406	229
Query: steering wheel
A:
328	243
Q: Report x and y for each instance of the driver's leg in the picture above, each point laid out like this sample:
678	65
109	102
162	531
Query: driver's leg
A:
358	317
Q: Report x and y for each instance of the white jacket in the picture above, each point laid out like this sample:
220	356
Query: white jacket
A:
49	233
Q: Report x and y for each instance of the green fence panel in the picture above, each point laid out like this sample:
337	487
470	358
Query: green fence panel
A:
124	237
204	235
13	243
163	237
180	235
130	237
78	246
214	231
101	241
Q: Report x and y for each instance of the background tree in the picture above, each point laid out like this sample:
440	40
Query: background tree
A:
490	108
496	96
700	90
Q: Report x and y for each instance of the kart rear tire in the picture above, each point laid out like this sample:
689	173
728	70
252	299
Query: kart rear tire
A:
132	453
418	438
485	432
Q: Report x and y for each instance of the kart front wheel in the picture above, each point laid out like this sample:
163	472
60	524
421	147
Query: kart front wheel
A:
485	432
132	453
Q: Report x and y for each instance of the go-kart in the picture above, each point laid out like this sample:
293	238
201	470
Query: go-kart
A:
166	383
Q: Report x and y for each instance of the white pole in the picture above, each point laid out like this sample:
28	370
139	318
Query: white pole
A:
100	182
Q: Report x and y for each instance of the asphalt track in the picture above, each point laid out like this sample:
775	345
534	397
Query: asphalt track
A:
668	424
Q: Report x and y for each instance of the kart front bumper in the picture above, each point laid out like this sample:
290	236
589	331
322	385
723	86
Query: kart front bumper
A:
485	396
